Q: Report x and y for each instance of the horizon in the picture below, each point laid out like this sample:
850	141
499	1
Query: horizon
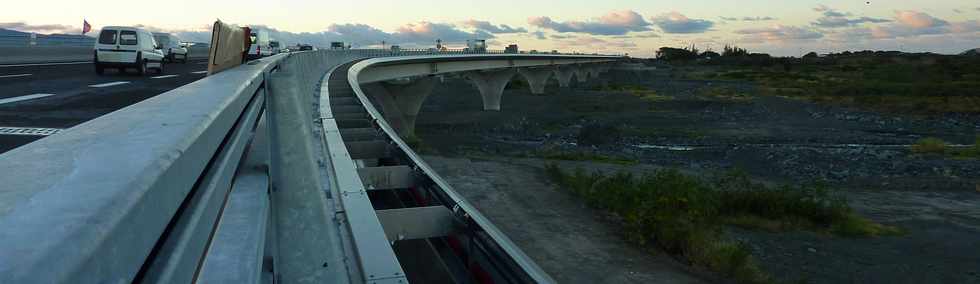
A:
787	29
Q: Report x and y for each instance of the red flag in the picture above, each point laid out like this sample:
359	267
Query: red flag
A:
86	27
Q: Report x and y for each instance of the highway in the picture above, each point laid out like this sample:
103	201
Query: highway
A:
39	99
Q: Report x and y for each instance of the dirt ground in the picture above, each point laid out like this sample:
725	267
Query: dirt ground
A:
935	199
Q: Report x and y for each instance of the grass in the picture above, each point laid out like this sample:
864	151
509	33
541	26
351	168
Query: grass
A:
639	91
926	85
685	215
726	94
933	145
929	146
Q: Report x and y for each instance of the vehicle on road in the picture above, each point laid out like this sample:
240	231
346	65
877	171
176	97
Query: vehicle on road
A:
172	47
275	47
127	47
260	44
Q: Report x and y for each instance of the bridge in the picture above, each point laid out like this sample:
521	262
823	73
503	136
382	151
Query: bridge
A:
288	169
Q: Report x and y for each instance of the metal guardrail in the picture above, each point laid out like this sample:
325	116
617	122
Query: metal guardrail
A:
212	182
46	40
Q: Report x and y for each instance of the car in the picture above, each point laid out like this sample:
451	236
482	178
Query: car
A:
172	48
127	47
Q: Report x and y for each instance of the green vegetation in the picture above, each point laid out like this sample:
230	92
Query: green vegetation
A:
891	82
933	145
685	215
929	146
726	94
640	91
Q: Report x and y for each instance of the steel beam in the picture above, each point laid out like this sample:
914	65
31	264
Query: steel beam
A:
417	222
391	177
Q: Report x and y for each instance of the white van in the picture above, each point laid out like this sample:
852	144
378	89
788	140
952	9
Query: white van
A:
172	49
127	47
260	44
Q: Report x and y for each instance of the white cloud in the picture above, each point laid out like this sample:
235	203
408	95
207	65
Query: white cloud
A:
676	23
778	33
614	23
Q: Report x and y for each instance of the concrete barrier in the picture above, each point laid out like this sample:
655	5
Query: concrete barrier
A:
31	55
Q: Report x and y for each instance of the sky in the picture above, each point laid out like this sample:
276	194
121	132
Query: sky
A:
778	27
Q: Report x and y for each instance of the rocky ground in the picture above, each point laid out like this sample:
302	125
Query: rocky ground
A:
935	198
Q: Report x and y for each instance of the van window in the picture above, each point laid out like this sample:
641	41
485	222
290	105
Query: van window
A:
163	40
127	38
107	37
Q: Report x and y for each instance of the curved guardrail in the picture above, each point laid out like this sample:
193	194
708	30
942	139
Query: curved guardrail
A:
213	182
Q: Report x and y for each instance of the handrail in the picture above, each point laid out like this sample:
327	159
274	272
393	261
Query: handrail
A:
89	204
113	199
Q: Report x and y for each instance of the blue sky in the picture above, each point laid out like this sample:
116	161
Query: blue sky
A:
614	26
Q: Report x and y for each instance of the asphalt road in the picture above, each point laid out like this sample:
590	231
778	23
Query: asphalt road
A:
64	95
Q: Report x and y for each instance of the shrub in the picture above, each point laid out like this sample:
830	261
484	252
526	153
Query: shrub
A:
929	145
683	214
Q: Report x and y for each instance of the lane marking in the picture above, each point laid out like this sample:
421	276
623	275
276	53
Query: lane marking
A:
163	77
15	75
23	98
199	72
46	64
110	84
32	131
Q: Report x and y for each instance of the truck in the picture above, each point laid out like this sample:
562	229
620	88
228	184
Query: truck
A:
259	47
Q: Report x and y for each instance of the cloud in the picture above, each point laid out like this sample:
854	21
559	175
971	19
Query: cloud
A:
958	11
676	23
614	23
42	29
835	19
778	33
560	36
918	20
593	43
538	35
911	24
757	19
491	28
749	19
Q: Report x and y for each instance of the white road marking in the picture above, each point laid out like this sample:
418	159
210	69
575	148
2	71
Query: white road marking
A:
15	75
23	98
33	131
46	64
199	72
110	84
163	77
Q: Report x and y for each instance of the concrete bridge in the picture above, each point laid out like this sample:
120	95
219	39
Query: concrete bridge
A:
289	169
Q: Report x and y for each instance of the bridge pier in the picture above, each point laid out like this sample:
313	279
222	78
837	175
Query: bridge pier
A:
581	74
491	85
401	101
564	75
537	78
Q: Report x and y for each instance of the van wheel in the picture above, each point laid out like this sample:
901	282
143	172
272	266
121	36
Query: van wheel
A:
141	68
185	58
99	70
160	69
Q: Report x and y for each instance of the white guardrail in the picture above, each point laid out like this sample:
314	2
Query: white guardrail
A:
242	178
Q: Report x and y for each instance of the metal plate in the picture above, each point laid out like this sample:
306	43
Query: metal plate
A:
32	131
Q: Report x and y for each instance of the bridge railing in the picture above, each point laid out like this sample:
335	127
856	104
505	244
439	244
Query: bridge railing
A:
182	185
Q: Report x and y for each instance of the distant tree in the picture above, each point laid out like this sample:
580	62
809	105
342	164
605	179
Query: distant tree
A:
671	54
811	55
710	54
731	51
